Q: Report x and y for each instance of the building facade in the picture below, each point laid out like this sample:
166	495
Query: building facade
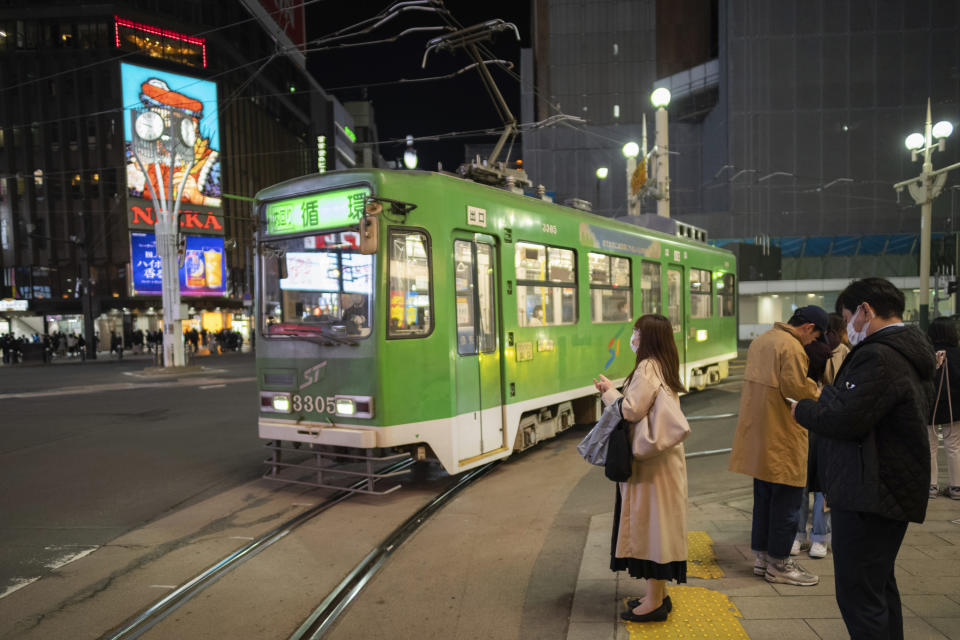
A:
787	122
75	207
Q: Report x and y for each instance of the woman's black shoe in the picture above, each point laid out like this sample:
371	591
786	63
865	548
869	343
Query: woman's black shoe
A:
657	615
633	604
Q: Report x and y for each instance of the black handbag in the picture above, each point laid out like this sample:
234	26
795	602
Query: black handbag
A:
619	463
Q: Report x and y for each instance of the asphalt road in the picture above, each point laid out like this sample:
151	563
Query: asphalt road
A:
89	451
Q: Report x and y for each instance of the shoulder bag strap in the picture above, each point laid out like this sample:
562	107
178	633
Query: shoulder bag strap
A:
933	416
946	373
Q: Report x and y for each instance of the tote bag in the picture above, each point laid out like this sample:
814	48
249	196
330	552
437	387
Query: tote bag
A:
663	427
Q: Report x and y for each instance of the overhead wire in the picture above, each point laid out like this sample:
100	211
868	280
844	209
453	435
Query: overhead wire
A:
341	34
113	59
266	59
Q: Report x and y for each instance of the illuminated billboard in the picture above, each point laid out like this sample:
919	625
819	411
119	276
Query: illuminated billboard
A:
203	273
166	115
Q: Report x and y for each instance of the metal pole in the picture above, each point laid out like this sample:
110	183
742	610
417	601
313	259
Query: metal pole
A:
925	221
663	164
924	188
638	205
956	271
631	168
84	250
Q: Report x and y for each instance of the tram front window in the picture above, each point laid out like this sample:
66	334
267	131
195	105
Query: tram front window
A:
316	285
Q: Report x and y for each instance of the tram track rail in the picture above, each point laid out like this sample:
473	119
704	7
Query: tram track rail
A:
337	601
142	622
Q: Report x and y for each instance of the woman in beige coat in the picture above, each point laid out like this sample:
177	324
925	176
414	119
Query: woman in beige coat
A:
650	517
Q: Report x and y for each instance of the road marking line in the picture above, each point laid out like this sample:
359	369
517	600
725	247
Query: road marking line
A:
240	538
213	386
68	557
18	583
119	386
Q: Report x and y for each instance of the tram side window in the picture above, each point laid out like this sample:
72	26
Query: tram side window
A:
727	294
543	297
650	288
701	294
611	298
410	314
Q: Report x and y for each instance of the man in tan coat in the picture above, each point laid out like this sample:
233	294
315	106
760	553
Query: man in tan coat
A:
770	446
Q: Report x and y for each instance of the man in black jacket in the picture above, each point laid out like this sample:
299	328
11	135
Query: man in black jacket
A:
872	452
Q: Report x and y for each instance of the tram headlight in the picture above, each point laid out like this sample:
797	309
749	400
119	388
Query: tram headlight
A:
353	406
345	407
276	402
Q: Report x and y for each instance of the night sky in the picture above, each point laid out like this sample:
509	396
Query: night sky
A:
421	109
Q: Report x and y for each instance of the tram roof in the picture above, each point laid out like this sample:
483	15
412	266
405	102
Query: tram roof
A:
346	177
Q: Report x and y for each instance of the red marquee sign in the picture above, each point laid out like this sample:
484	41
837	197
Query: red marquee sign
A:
204	221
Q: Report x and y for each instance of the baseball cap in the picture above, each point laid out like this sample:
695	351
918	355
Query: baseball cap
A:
816	315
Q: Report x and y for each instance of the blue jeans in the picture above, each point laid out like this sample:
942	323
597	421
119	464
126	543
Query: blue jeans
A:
821	519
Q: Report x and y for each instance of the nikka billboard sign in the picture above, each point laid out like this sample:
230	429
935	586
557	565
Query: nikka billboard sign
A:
193	220
164	111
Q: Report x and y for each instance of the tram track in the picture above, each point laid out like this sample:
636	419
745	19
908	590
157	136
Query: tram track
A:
143	621
337	601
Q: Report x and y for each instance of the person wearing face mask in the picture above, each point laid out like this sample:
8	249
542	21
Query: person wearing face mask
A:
770	447
872	452
649	538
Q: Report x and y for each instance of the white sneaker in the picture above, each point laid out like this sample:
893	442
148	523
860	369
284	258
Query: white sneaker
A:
818	550
795	549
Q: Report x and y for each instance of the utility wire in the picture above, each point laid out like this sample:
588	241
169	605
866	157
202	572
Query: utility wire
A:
128	54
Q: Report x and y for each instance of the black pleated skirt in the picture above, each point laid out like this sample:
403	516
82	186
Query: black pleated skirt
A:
637	567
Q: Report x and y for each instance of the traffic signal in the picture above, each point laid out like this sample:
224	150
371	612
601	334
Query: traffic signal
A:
951	287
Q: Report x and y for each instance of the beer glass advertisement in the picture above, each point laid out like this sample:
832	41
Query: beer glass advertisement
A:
203	273
171	139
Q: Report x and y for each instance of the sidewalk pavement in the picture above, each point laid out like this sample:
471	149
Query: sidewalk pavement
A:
928	576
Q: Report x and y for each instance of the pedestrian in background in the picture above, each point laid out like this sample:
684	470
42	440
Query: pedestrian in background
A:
836	337
770	447
872	452
825	361
943	335
650	515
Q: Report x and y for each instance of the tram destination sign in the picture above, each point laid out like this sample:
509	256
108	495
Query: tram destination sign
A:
317	211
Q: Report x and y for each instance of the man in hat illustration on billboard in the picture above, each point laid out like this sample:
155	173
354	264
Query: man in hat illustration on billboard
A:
202	185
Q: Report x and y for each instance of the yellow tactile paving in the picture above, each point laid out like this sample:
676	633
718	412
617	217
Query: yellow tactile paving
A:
698	614
700	560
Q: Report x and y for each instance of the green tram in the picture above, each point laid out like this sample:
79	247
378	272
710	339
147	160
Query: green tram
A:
410	311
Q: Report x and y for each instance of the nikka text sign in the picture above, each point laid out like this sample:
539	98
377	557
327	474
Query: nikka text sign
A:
193	220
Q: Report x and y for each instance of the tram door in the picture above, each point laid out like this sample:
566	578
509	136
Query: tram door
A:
676	313
479	388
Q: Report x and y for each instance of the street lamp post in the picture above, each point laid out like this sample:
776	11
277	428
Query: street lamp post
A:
163	139
602	173
660	98
924	188
410	155
630	151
